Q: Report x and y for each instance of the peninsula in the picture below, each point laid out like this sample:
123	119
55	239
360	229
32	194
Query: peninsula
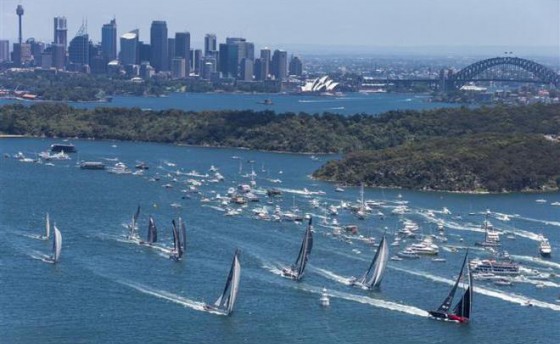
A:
486	149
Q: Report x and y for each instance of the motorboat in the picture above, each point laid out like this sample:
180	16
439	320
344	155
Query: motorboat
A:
545	249
324	300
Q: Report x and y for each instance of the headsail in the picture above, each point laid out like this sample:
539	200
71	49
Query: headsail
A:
152	231
57	245
374	275
226	301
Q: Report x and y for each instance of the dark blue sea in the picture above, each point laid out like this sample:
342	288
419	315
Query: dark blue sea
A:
348	104
106	289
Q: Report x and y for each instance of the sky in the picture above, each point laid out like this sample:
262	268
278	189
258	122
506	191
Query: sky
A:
310	24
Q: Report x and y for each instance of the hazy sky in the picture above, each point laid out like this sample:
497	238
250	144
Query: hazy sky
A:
296	23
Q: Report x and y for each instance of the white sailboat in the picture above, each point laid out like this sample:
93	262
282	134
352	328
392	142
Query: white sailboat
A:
224	304
374	275
56	248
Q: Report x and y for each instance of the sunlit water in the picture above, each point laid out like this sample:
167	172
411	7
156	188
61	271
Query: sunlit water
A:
106	289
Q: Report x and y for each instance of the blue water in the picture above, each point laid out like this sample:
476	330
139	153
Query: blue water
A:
105	289
349	104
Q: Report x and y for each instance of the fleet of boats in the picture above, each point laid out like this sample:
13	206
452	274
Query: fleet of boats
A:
499	269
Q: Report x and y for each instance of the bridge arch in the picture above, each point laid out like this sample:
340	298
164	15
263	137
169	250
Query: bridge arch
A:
544	74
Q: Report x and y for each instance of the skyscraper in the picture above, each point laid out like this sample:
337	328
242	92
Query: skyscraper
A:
129	48
60	31
109	40
197	61
183	49
4	50
170	52
232	53
158	42
280	64
78	50
265	63
296	66
209	44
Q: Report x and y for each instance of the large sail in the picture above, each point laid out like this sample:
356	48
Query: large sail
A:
152	231
183	234
304	251
57	244
464	306
133	226
374	275
47	227
449	299
177	248
226	301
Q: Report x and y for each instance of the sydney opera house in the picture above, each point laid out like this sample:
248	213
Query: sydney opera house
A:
320	85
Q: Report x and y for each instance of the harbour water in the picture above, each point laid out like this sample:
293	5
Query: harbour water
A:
107	289
348	104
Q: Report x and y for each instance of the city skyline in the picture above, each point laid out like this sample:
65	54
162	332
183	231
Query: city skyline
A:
401	24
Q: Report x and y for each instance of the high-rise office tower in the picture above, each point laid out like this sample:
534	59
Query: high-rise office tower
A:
60	31
58	59
210	44
158	43
265	63
4	50
178	68
109	40
170	52
232	53
78	49
258	70
130	48
183	49
296	66
246	69
145	52
197	61
280	64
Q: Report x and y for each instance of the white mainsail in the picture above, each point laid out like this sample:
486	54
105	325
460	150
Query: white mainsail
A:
47	227
57	245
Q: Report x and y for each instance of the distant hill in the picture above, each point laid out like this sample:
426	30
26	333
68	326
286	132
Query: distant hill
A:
495	149
470	163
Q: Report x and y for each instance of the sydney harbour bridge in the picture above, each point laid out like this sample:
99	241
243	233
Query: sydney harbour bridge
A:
497	69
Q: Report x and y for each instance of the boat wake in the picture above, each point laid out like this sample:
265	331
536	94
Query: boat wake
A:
537	261
40	256
331	275
162	294
367	300
509	297
550	223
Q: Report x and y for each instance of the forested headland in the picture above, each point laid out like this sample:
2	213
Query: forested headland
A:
455	149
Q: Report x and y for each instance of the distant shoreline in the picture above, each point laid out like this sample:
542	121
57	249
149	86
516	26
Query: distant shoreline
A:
7	136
